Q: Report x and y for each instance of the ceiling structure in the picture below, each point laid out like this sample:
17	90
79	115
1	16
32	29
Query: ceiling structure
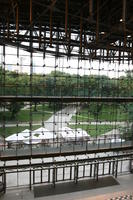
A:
84	29
87	29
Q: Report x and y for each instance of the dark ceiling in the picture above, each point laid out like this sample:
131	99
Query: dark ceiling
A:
103	28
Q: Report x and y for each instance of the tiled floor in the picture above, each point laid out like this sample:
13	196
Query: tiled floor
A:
127	195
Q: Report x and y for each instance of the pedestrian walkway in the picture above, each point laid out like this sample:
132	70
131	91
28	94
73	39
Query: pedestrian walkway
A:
106	193
64	149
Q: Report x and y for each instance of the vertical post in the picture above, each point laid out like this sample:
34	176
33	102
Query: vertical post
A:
97	22
76	173
86	145
40	36
107	52
30	12
66	17
57	54
129	54
103	55
30	171
33	176
83	170
41	175
103	169
90	9
60	145
44	44
63	172
51	17
54	175
48	175
121	166
91	170
17	24
98	143
124	11
109	167
30	179
119	52
31	73
97	169
104	139
8	27
85	42
113	167
70	172
132	51
69	37
124	22
116	168
4	178
81	30
3	83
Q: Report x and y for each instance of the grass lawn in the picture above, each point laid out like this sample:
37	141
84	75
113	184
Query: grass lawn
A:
24	116
42	114
11	130
108	113
94	130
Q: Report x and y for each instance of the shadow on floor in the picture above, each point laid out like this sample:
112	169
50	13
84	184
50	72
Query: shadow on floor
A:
62	188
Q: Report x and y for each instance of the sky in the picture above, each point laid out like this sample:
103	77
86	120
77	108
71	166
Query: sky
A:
71	66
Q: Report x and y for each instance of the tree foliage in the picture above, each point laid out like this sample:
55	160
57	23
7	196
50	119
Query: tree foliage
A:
63	84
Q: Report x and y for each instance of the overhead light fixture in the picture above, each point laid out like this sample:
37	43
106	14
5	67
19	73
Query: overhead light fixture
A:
112	44
102	32
121	20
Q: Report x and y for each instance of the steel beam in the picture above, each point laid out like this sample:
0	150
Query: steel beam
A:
43	155
67	162
64	99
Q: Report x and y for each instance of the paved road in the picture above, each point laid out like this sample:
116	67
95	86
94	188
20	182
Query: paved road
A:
20	124
60	119
65	121
100	123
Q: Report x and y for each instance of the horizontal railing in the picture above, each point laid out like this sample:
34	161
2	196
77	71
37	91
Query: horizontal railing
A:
64	99
51	148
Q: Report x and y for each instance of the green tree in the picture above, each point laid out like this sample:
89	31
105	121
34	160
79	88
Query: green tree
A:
14	108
